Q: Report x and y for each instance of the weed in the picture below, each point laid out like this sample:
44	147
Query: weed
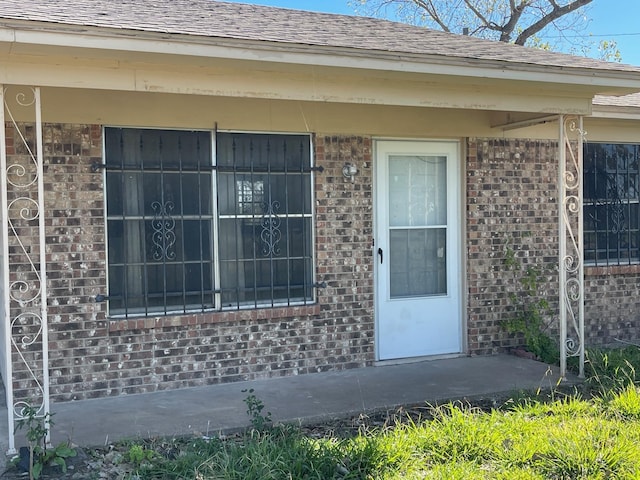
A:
138	454
611	370
180	458
259	421
530	309
626	403
37	429
561	439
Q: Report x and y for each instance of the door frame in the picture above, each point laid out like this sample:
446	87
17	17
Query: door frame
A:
461	225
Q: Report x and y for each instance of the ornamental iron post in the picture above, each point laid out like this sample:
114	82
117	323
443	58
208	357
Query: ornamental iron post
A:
571	239
24	278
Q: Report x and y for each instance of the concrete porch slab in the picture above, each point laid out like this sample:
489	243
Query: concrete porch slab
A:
305	398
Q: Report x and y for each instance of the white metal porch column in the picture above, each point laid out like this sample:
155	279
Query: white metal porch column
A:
570	239
25	362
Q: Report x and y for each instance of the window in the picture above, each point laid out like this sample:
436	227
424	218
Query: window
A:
611	204
264	195
189	231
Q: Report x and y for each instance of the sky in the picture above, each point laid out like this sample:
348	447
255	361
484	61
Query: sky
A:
610	20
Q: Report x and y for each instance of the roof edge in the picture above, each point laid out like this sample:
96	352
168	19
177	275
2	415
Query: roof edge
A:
606	82
615	112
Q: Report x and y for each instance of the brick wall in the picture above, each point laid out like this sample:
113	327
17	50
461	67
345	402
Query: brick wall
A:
75	254
511	205
612	296
92	356
511	190
344	229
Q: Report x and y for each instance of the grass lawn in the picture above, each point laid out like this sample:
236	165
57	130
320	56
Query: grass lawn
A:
561	438
567	438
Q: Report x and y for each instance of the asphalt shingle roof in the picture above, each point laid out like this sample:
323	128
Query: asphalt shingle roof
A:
216	19
631	101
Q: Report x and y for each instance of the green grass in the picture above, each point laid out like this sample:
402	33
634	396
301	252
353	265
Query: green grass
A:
529	438
610	370
568	438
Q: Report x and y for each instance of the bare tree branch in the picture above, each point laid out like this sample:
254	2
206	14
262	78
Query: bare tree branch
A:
527	22
556	13
482	18
516	14
430	8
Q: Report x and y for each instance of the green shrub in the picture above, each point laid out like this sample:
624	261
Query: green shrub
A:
530	309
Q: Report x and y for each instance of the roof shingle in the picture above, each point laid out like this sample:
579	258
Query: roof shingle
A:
217	19
626	101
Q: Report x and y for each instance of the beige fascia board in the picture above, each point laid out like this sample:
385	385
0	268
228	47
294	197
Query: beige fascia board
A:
612	112
7	36
617	115
62	75
602	81
308	84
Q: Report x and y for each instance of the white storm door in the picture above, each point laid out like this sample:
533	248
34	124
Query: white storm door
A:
417	249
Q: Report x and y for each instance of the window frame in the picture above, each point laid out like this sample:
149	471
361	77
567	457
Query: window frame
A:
219	169
179	310
627	203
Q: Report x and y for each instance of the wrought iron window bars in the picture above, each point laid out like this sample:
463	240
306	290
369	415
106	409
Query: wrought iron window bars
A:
612	204
189	232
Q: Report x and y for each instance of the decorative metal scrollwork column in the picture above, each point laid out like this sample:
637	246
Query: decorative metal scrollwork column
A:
571	250
24	289
164	231
271	234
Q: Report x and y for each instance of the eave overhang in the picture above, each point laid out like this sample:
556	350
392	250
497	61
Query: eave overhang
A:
22	38
616	112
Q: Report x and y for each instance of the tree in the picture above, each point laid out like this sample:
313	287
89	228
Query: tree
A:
523	22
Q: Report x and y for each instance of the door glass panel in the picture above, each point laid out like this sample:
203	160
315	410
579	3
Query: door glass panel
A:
418	264
417	191
417	223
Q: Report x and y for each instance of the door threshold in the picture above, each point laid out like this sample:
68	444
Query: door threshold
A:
424	358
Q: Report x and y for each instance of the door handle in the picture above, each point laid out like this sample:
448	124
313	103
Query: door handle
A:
381	254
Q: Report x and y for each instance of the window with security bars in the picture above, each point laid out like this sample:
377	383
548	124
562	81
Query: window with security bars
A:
611	204
189	231
264	218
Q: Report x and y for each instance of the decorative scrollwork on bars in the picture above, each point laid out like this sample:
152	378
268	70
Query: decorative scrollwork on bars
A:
24	101
573	347
27	208
271	234
22	292
26	331
24	209
27	326
20	407
617	218
27	335
572	295
20	175
572	261
164	235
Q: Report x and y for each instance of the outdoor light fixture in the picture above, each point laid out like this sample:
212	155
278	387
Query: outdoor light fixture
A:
349	171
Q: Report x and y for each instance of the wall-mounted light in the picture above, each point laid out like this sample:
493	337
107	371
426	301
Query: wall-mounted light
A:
349	171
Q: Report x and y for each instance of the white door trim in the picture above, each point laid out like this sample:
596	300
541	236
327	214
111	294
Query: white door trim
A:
456	280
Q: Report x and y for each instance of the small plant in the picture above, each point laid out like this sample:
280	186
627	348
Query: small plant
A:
138	454
37	429
530	310
255	406
57	455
